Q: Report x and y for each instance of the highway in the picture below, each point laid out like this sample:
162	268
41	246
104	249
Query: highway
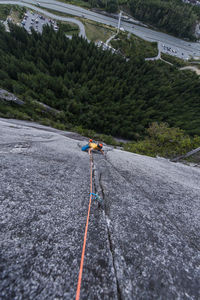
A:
169	44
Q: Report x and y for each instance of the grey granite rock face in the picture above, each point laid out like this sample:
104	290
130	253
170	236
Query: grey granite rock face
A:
142	244
6	96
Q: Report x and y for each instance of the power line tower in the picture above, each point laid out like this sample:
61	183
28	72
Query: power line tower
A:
119	22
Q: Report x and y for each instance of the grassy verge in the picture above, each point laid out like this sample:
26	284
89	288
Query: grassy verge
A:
131	45
177	62
14	11
69	28
96	31
77	3
17	13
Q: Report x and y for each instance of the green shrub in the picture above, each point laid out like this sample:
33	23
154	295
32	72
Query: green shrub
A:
46	122
59	126
108	139
164	141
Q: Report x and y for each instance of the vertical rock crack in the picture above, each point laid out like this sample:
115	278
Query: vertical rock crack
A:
111	248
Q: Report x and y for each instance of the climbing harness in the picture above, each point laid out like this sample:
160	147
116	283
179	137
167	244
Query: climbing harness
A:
85	235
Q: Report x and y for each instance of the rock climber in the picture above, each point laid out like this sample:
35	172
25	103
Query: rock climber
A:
92	145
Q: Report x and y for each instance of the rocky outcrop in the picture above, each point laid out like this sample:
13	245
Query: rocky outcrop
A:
6	96
47	108
143	243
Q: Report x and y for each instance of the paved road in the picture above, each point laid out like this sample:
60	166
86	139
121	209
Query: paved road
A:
144	243
180	47
50	15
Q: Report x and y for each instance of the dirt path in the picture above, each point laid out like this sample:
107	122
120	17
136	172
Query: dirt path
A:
195	69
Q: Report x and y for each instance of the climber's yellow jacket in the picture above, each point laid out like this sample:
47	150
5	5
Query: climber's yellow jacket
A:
94	146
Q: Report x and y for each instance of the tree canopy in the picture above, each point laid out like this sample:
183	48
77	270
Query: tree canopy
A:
97	89
172	16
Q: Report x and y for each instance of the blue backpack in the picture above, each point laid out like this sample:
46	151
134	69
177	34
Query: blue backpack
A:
84	148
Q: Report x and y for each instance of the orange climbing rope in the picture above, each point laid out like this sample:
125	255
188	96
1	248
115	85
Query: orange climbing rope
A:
85	235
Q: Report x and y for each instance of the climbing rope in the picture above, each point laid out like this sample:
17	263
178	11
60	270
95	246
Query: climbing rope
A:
85	235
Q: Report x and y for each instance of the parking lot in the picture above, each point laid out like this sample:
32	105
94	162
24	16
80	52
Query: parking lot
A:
175	51
36	21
